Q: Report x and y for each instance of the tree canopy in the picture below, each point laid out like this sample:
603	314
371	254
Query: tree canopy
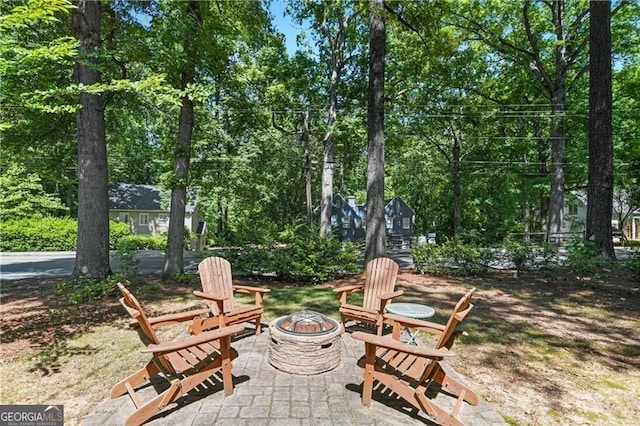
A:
486	103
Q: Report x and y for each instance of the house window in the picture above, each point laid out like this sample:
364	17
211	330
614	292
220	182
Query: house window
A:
346	222
123	217
406	223
143	219
573	209
162	219
389	223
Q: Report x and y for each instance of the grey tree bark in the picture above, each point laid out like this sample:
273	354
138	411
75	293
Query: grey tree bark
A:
174	257
92	253
600	178
376	226
339	59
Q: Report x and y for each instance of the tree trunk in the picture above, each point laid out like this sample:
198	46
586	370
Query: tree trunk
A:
600	180
307	180
173	261
556	197
92	253
337	43
376	225
457	185
328	162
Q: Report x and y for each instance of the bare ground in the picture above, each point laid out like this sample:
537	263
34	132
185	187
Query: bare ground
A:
541	350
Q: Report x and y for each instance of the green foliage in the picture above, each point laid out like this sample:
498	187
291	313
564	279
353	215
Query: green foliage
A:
524	255
520	253
309	258
301	256
52	234
22	195
452	256
145	242
86	290
29	48
38	234
584	258
125	255
117	232
633	263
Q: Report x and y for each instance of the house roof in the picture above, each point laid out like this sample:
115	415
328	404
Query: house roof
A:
127	196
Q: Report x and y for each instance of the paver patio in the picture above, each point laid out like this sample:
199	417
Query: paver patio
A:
266	396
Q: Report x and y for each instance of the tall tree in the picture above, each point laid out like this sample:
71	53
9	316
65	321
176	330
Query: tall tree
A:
600	183
173	261
375	240
548	41
334	29
92	254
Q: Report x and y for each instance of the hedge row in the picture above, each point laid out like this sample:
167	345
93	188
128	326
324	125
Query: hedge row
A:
50	234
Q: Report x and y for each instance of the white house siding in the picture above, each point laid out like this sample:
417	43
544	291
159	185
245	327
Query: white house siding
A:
158	222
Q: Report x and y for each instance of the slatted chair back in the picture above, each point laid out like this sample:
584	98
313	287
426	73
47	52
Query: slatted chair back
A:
217	279
143	326
381	274
462	308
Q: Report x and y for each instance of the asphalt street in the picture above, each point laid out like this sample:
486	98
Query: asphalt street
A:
15	266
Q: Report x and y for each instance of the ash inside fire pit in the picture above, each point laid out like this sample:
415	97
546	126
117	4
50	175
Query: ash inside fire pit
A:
305	342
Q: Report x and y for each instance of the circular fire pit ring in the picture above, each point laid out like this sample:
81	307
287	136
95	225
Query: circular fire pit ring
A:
305	342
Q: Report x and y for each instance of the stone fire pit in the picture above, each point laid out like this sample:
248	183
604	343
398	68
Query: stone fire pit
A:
305	342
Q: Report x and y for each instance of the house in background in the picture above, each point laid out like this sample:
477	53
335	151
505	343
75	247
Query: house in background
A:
401	219
350	218
146	209
344	218
574	220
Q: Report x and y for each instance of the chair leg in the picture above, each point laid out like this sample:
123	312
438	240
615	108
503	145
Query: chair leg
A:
369	369
437	413
135	379
454	386
154	406
258	326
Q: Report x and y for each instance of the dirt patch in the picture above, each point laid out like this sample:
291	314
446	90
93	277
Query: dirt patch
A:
540	349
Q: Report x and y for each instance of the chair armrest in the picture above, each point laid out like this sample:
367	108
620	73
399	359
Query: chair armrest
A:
430	327
174	318
349	288
389	343
207	296
387	296
249	289
194	340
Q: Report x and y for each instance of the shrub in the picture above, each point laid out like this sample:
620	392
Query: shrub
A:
520	253
23	196
301	256
85	290
61	234
143	242
584	257
452	256
38	234
309	258
117	231
633	264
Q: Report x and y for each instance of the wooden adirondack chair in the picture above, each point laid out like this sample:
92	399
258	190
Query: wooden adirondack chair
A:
410	370
378	290
186	362
218	290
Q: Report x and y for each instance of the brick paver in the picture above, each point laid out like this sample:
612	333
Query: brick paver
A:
266	396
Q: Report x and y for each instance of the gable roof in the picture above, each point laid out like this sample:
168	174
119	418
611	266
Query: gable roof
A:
126	196
130	196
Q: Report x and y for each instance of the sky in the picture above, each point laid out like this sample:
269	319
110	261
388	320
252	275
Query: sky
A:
285	25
